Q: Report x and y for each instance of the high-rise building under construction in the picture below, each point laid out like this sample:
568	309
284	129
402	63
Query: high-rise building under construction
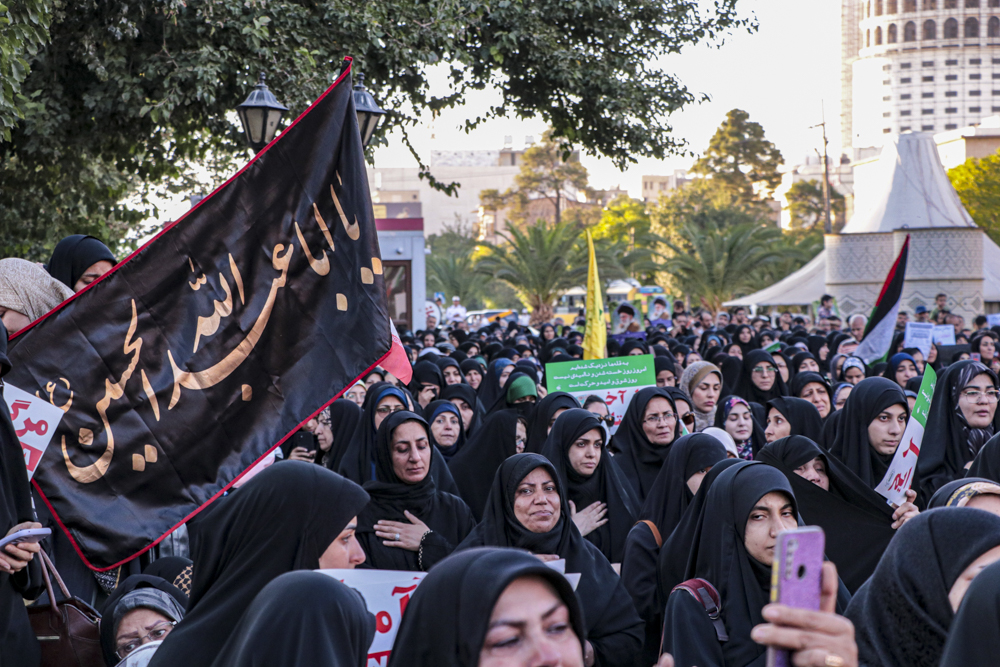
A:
920	65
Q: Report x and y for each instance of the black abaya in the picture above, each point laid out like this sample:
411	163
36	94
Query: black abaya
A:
302	619
639	459
973	640
902	614
606	484
476	465
851	445
801	415
467	395
949	443
344	418
542	417
613	626
719	556
282	520
857	521
446	515
987	461
447	618
74	255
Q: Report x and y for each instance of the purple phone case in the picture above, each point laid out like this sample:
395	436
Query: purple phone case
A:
796	576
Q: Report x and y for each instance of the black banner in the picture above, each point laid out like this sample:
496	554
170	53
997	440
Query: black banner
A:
212	343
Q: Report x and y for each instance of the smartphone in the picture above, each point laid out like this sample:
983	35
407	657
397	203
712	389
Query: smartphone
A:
26	535
796	576
303	439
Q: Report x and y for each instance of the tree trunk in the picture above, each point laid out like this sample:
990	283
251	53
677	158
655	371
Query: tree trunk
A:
541	312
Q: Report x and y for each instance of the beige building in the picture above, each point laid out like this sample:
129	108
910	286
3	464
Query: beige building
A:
653	187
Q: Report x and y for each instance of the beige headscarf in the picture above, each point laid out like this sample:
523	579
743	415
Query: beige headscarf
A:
28	288
691	378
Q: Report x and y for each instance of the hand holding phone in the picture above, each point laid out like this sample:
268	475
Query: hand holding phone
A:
796	576
20	545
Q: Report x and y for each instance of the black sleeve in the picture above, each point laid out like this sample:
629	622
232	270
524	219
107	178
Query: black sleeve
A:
688	633
617	637
639	571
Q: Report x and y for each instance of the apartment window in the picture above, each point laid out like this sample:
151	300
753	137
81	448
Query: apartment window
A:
886	114
891	34
975	61
887	98
910	32
930	30
975	93
996	76
927	112
905	128
905	65
975	77
886	130
927	63
951	29
904	80
996	92
886	68
951	110
904	112
951	93
951	77
909	5
878	35
926	96
927	79
926	128
995	109
950	62
975	109
951	126
905	96
971	27
993	26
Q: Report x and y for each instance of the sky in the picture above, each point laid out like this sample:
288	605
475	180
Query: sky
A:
784	75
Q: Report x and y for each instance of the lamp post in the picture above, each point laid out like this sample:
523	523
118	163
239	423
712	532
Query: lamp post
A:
369	113
260	114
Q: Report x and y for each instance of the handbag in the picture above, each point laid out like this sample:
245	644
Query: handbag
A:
69	632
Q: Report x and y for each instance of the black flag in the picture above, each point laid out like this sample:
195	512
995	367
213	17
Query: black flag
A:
211	344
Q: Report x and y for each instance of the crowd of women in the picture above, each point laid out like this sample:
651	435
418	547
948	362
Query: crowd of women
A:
475	474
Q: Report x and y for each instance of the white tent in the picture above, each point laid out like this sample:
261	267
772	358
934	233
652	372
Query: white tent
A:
905	187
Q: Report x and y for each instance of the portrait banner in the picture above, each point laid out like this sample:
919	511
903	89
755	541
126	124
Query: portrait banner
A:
213	343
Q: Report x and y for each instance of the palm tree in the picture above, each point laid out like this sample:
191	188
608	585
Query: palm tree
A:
455	275
542	262
715	264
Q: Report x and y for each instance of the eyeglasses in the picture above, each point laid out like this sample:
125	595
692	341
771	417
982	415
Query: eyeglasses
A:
688	419
519	442
159	631
608	419
975	394
764	370
662	417
389	409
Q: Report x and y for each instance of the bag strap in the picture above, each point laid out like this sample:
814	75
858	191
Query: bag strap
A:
653	529
47	564
708	597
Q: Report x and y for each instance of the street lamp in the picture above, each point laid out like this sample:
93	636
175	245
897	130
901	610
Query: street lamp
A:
369	113
260	114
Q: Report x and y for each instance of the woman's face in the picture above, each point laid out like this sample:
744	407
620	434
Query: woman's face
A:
467	412
886	430
978	401
356	394
635	351
839	365
505	373
452	375
961	585
553	418
445	428
815	472
739	423
520	436
411	452
372	379
763	375
735	351
136	625
599	408
706	394
777	426
824	352
13	320
344	553
694	481
530	625
429	340
536	501
659	421
746	335
666	379
779	361
904	371
816	394
842	397
770	515
808	365
854	375
386	407
987	348
324	436
474	378
585	453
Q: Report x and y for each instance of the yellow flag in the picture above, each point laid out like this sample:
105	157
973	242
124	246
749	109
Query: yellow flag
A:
595	340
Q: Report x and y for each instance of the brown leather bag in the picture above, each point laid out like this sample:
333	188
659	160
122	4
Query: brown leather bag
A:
69	631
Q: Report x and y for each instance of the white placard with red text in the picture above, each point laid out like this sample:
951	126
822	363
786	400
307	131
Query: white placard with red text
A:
898	478
35	421
386	592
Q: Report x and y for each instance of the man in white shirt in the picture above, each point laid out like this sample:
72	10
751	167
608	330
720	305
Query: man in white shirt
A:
456	311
